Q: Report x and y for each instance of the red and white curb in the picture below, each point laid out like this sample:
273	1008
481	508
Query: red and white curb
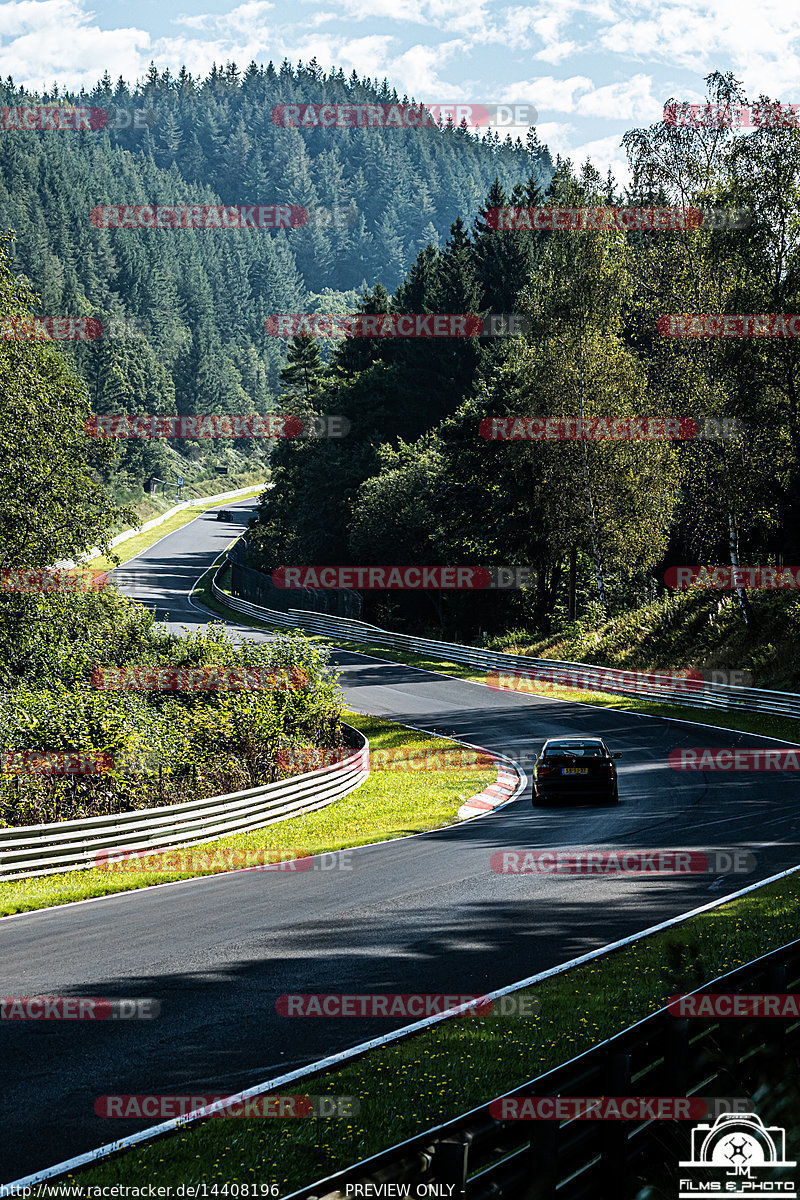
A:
497	793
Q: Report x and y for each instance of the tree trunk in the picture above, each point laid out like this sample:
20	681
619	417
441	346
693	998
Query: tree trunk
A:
573	568
748	615
598	561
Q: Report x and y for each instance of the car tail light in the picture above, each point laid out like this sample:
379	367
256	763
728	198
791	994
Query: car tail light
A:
542	770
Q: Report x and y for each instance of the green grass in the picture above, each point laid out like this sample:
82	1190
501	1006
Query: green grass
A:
435	1075
390	804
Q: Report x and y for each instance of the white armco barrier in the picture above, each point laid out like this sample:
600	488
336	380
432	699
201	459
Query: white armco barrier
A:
519	672
31	850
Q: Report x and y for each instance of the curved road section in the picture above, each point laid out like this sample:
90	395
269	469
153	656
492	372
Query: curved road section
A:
421	914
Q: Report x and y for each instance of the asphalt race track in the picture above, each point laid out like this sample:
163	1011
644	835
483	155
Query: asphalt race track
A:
422	914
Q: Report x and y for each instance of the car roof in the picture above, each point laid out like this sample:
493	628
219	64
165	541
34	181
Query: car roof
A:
576	741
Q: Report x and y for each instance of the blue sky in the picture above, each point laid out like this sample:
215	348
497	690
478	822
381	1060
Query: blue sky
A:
593	69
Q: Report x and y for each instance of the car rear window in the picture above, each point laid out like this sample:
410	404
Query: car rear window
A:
591	751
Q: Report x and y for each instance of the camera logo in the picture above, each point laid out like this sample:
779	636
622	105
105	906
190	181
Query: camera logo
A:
739	1143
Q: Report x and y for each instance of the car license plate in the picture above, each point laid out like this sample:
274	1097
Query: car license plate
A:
575	770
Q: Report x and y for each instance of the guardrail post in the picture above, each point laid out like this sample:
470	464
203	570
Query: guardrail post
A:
776	1028
614	1151
450	1164
543	1161
676	1056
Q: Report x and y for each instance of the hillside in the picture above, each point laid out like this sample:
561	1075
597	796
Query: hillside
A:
696	630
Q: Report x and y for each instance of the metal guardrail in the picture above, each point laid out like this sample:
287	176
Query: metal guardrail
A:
692	694
480	1157
30	850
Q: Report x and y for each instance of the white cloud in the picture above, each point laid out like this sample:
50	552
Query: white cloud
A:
240	19
34	51
556	95
632	100
557	135
417	73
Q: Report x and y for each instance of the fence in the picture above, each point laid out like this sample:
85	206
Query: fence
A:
478	1157
692	693
257	588
31	850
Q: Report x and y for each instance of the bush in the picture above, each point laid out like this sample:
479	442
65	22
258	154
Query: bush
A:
162	748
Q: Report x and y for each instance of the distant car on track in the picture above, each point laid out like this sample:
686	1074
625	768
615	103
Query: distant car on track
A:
575	769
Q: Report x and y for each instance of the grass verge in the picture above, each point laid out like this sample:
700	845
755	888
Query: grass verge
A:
435	1075
390	804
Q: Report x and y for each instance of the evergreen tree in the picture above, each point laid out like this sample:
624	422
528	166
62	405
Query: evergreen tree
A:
304	371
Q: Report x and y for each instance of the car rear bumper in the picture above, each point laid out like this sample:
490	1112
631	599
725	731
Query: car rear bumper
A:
594	791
